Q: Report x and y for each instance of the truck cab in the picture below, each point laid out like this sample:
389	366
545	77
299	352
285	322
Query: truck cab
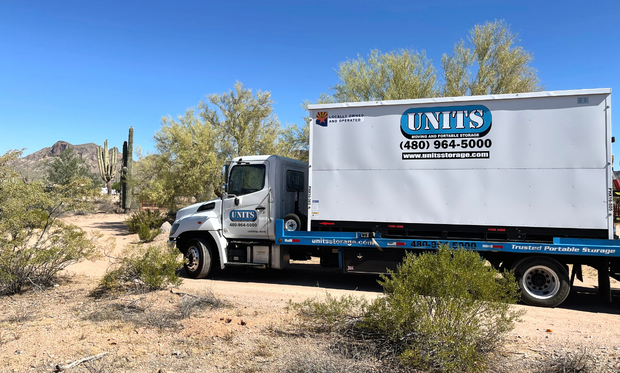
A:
239	228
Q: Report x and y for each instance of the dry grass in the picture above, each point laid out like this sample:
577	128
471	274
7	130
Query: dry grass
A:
191	304
181	333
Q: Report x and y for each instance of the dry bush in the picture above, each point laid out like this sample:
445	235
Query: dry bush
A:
191	303
580	361
107	204
139	312
20	312
313	358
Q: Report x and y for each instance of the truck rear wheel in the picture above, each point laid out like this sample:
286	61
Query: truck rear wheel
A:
543	281
199	258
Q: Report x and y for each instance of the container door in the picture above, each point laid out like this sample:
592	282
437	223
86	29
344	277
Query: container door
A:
246	208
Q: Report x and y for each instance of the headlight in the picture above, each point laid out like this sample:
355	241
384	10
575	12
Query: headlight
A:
174	228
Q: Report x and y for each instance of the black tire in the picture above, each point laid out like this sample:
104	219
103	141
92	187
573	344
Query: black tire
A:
543	281
199	258
292	222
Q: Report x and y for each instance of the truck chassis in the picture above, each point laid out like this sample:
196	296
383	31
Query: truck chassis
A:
541	268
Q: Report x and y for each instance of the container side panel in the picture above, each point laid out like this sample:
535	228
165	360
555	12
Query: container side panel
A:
467	197
540	161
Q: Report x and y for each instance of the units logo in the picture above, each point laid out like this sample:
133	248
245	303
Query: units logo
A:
446	122
321	118
242	215
446	133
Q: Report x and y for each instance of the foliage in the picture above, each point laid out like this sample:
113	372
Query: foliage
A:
449	309
193	147
67	167
143	268
497	66
116	186
34	244
441	311
395	75
146	234
152	219
502	67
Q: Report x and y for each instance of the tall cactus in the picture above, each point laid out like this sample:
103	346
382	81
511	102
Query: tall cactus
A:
107	164
126	182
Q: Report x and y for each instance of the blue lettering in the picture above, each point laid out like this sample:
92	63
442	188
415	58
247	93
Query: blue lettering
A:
243	215
457	120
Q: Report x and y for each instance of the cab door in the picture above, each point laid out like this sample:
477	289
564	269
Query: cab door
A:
246	208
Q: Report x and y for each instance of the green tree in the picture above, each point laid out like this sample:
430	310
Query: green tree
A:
494	64
67	167
502	67
34	244
243	121
193	147
186	165
395	75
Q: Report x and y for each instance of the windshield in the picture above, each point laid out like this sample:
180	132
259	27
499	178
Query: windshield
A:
246	179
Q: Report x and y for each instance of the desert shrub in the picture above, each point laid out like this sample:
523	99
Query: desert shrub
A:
146	234
143	268
442	311
34	244
446	310
153	219
333	313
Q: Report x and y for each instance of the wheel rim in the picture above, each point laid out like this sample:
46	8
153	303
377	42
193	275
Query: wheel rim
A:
290	225
193	257
541	282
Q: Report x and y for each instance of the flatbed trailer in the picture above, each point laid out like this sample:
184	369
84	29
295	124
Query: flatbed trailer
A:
541	268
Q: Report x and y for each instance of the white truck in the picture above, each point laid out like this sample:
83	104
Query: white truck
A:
523	179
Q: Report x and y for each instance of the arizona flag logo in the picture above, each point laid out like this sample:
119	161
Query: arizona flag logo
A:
321	118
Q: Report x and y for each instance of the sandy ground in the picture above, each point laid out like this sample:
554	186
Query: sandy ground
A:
260	298
583	320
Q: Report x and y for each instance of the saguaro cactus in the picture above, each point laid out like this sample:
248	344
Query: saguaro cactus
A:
126	185
107	164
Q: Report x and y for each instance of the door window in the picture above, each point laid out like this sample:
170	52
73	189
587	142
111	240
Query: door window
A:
246	179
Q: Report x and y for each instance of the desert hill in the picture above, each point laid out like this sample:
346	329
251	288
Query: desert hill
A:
32	166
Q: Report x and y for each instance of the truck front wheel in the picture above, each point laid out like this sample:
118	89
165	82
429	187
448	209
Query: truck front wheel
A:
543	281
198	256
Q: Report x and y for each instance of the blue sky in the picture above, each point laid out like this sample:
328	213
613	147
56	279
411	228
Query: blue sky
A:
84	71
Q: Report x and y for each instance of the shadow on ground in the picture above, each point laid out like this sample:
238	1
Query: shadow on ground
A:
582	298
301	275
119	227
587	299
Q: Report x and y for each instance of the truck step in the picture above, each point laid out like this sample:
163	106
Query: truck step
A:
242	264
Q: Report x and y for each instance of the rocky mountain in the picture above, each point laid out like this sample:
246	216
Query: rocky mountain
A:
32	166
